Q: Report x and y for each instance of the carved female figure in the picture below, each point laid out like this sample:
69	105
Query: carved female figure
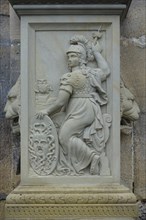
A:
84	131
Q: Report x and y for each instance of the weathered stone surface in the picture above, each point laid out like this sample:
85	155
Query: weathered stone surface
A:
134	75
8	178
14	26
135	23
140	157
2	204
142	210
5	153
127	165
15	61
4	9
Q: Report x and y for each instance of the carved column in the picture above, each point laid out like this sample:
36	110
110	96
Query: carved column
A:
70	115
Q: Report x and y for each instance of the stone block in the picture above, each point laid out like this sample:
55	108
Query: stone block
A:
127	166
4	9
135	24
133	73
14	25
102	202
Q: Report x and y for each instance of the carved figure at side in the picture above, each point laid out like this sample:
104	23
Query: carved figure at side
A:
12	107
129	109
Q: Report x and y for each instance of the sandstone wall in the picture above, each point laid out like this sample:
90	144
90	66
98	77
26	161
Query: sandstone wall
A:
133	72
9	71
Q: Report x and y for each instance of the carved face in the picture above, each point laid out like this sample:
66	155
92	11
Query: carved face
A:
42	86
73	60
40	143
12	107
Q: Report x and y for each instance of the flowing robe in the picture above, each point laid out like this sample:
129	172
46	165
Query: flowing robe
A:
82	135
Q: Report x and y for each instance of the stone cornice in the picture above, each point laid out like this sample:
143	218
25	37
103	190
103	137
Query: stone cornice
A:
41	2
69	9
49	7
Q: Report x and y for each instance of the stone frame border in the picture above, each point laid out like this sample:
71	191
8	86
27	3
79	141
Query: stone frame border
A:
28	29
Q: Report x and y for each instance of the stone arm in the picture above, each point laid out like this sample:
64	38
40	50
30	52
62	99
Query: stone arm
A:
61	101
101	62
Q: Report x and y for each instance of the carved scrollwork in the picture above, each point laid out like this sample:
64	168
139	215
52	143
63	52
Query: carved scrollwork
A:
100	198
79	211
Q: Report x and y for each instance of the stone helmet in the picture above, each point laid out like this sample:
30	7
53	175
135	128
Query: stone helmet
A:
78	48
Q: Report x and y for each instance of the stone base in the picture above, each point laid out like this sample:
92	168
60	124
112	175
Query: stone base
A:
102	202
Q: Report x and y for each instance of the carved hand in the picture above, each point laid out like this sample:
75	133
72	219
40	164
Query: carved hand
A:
96	48
41	114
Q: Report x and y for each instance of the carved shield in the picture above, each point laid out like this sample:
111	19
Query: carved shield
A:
43	146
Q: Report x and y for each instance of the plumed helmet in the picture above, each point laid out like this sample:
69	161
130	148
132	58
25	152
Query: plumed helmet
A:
78	48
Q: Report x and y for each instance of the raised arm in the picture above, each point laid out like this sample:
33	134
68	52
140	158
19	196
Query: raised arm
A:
101	62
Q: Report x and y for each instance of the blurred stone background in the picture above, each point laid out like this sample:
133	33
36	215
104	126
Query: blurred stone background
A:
133	73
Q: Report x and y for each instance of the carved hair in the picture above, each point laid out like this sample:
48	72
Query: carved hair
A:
39	129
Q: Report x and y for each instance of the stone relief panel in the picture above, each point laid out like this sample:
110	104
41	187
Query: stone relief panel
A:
84	129
75	103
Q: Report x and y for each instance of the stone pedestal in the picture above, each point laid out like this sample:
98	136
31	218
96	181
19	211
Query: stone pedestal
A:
105	201
57	187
